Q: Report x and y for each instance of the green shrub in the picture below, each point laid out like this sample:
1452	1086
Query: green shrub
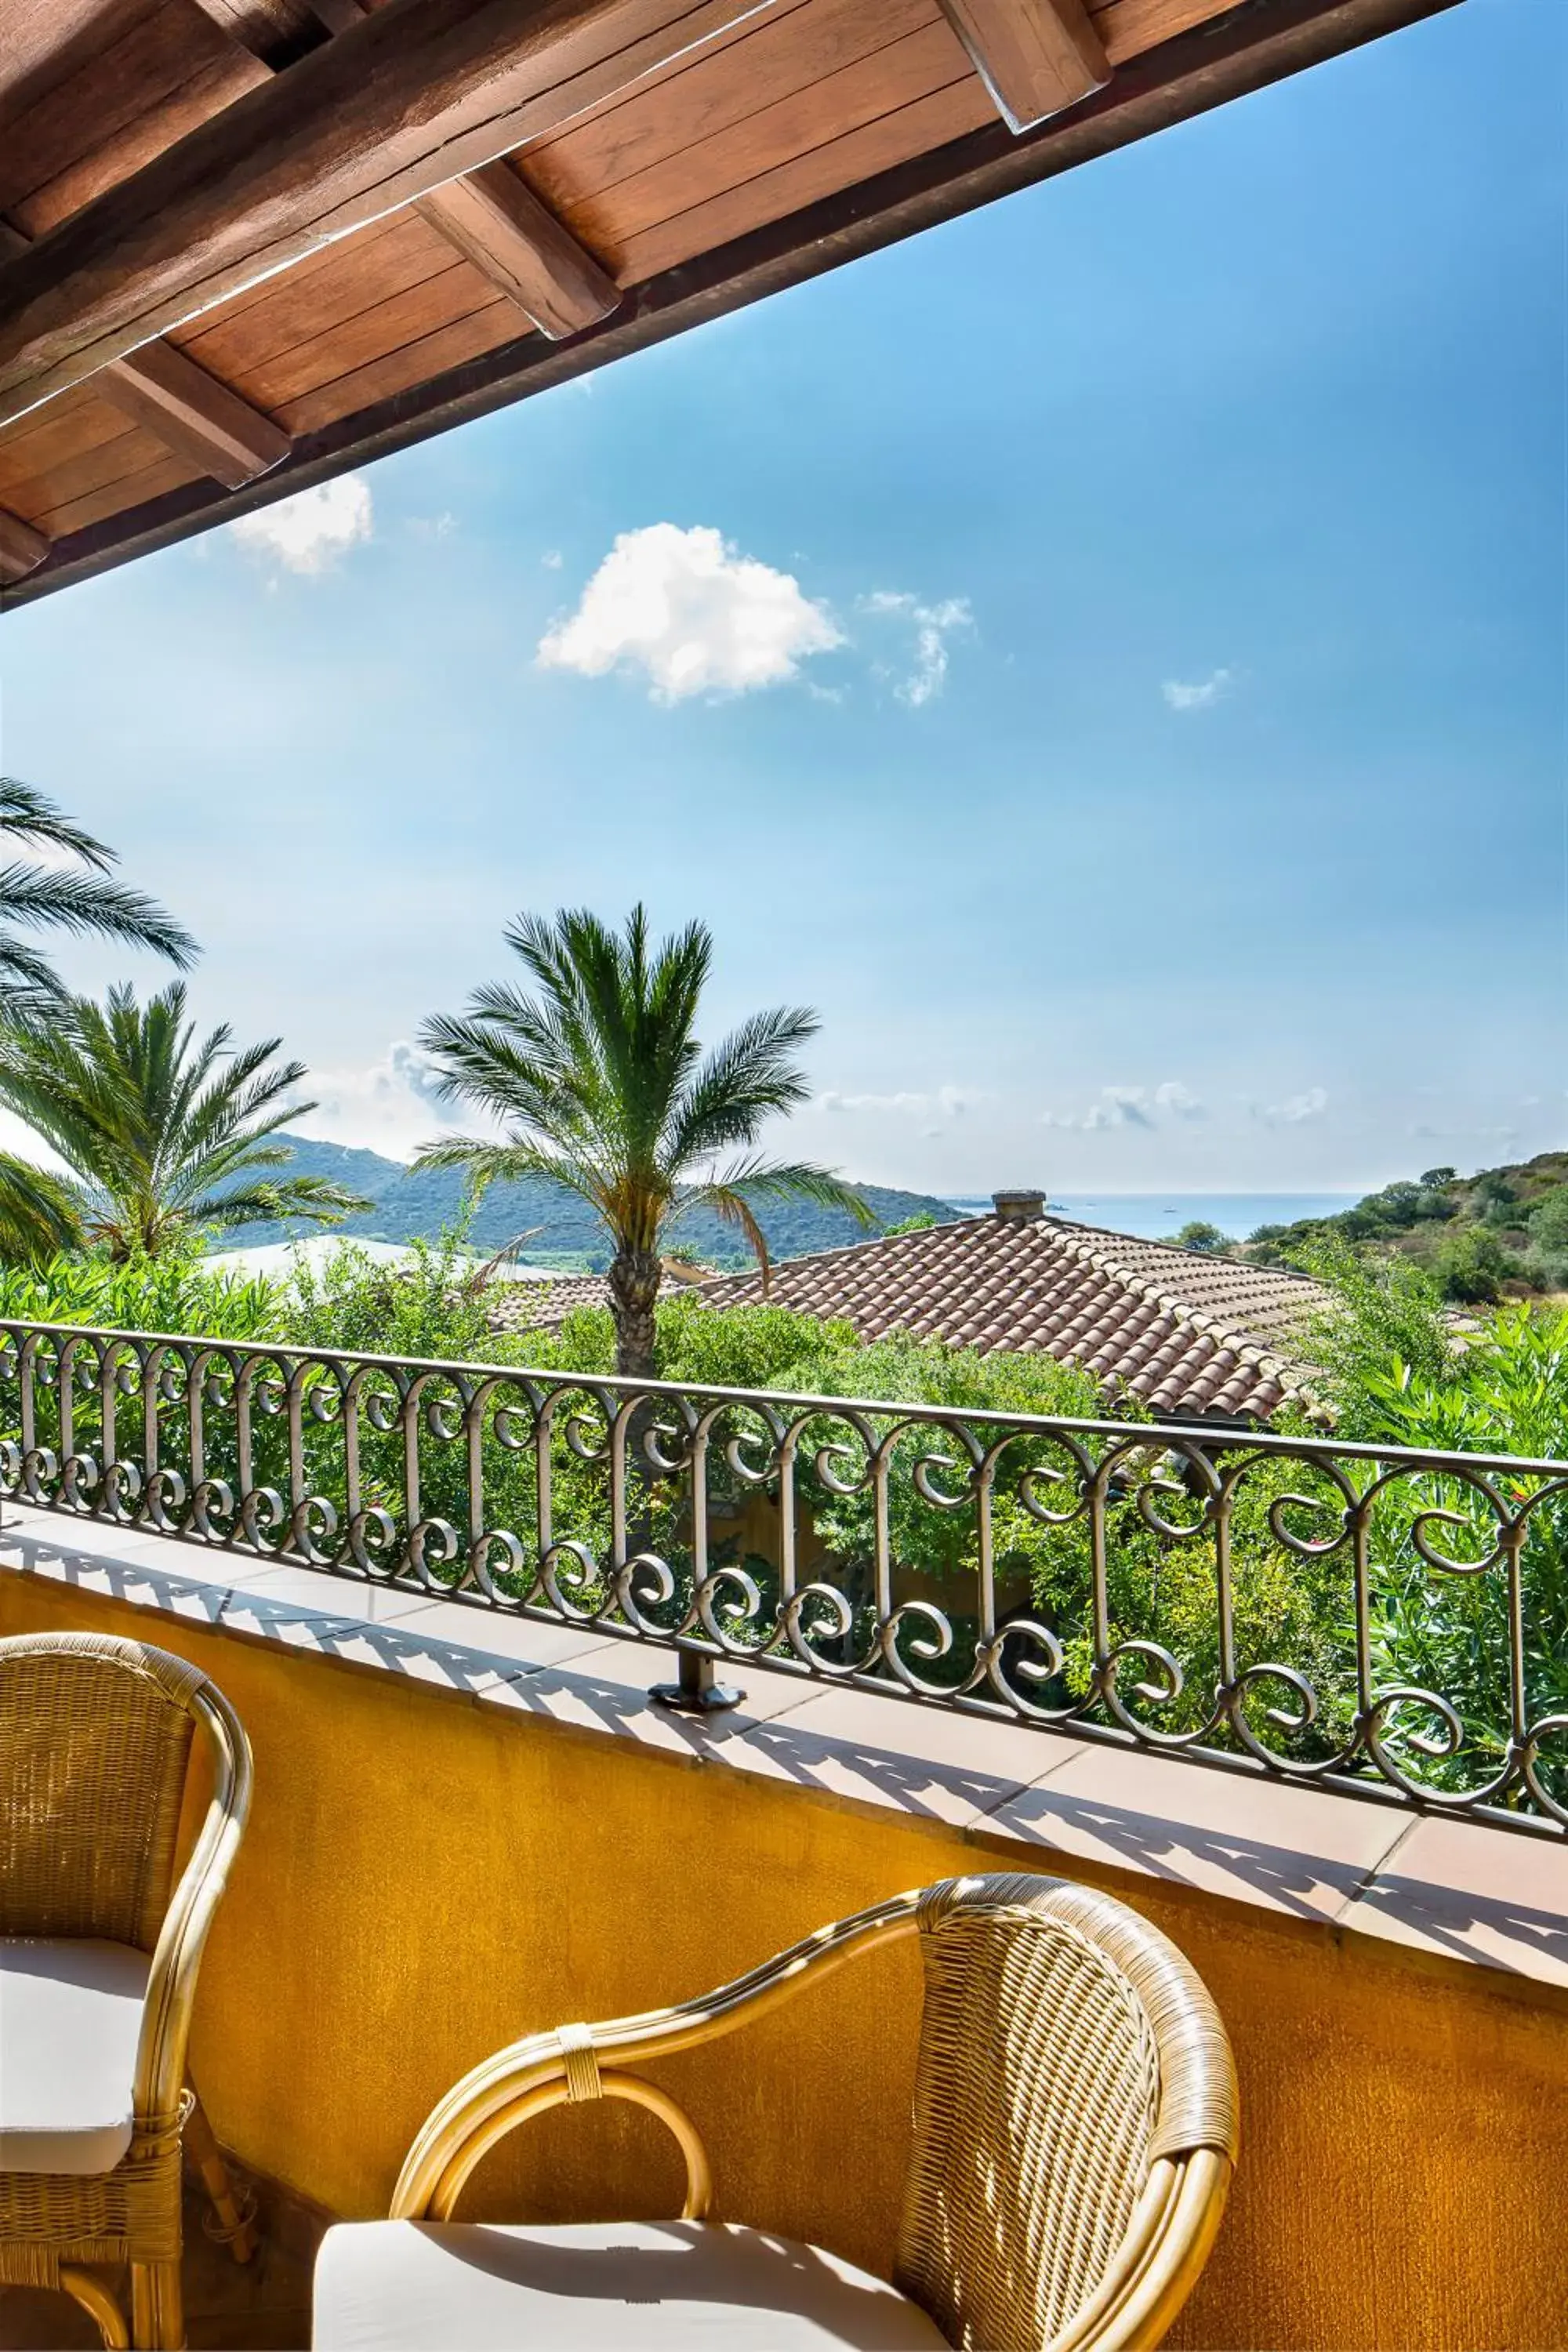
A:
1471	1265
177	1292
1548	1223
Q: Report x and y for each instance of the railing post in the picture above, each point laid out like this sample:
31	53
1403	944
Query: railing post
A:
697	1693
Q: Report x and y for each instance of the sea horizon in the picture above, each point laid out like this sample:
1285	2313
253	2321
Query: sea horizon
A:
1160	1216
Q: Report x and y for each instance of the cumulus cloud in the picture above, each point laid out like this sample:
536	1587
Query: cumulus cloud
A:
314	529
1131	1107
932	625
1199	693
693	614
389	1104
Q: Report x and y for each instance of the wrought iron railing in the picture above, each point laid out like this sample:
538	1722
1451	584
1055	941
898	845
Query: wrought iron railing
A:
1389	1623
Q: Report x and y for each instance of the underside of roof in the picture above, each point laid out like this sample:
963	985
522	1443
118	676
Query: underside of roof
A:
247	244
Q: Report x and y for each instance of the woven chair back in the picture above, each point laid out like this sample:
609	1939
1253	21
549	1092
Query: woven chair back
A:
95	1736
1038	2103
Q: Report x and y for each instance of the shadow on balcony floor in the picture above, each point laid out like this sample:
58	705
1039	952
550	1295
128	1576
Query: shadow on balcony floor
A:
262	2305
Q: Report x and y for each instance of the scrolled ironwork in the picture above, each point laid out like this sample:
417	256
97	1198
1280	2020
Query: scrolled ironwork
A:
1377	1621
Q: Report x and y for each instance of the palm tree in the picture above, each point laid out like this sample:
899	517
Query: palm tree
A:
161	1135
603	1086
74	894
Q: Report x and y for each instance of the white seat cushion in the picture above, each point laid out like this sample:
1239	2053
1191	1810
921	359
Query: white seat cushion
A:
70	2017
415	2286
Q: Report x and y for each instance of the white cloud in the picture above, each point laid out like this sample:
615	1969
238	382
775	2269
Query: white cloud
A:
552	559
1179	1101
309	531
437	526
693	613
389	1104
933	626
948	1102
1311	1104
1131	1107
1200	694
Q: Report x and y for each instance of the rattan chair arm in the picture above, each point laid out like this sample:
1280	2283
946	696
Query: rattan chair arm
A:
611	2084
172	1979
1154	2289
458	2130
1163	2250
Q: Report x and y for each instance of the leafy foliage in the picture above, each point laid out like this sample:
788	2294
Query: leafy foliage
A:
1500	1232
1197	1233
175	1293
1471	1265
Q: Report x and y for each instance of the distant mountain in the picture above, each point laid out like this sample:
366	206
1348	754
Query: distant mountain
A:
409	1205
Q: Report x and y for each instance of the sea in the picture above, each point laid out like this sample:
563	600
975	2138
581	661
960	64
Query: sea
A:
1160	1216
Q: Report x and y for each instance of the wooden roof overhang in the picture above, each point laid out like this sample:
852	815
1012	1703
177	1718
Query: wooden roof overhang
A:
247	244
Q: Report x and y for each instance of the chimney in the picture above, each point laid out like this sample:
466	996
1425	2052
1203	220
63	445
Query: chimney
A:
1018	1207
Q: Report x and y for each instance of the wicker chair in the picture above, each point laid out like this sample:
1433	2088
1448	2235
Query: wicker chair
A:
99	1954
1075	2129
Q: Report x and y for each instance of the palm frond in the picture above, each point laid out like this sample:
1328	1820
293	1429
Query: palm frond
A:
736	1210
779	1179
594	1072
89	905
27	815
40	1212
164	1132
316	1198
750	1077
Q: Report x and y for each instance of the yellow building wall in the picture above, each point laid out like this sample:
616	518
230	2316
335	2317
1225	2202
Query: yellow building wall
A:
425	1878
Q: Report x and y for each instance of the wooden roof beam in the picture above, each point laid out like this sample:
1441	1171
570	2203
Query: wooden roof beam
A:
275	31
194	414
1036	58
415	95
181	406
21	548
490	217
495	219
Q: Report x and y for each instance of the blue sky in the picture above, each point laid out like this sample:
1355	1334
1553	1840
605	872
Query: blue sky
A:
1117	670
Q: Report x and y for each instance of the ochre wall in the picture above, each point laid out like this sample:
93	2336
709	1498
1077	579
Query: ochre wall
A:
425	1878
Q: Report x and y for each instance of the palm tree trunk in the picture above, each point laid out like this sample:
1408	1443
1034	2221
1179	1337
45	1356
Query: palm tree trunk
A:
634	1291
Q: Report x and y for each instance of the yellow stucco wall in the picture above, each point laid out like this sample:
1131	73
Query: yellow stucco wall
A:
424	1878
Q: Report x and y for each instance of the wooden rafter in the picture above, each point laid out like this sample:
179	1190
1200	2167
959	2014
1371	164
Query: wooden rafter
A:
490	217
515	241
21	548
1036	58
194	415
275	31
417	94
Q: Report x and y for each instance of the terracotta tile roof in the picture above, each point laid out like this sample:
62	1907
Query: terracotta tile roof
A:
544	1305
1186	1334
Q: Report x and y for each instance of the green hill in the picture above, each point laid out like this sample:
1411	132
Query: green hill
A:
409	1205
1500	1232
